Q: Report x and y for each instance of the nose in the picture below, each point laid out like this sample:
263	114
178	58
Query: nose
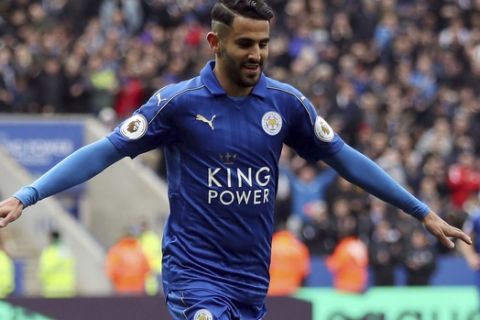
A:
254	53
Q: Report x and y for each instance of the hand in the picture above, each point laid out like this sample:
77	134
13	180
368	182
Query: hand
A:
10	210
443	231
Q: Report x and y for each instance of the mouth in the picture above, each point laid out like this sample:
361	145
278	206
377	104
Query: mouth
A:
252	67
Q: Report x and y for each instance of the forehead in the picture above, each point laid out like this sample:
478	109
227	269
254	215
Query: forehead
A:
243	27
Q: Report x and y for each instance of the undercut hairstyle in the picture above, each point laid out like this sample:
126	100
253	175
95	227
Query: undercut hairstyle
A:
224	11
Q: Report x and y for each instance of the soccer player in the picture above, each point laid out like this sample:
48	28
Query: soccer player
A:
222	133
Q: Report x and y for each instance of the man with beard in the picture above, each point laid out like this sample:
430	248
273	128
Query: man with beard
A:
222	134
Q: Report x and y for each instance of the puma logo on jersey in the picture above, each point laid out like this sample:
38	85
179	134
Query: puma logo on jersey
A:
159	99
199	117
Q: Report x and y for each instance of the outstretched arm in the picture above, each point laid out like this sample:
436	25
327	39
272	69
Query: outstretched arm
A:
78	167
360	170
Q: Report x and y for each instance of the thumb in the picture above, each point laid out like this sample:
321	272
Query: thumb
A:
447	242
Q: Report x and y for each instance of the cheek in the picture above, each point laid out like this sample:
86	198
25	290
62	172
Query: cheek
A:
232	57
264	54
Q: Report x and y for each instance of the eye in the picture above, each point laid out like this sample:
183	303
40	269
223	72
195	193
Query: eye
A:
244	44
263	44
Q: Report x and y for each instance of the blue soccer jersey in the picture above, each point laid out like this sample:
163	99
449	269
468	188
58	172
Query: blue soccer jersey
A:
222	167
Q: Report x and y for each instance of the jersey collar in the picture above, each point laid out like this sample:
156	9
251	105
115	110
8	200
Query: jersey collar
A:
212	84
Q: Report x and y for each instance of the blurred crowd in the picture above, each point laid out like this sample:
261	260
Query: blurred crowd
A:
397	79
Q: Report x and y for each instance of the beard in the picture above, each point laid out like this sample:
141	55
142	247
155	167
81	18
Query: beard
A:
236	73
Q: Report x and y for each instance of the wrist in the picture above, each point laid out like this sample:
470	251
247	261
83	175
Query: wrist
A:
27	196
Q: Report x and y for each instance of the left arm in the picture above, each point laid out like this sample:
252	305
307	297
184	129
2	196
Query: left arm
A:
313	139
360	170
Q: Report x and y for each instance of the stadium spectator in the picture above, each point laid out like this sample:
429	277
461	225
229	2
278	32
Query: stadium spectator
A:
290	263
354	196
102	81
419	259
7	272
437	140
152	248
131	91
308	187
122	15
51	86
463	178
56	268
349	261
384	250
319	234
75	87
127	266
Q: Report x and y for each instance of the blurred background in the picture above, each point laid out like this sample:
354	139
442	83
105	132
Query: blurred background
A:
397	79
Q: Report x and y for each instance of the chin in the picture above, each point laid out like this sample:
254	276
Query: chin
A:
250	82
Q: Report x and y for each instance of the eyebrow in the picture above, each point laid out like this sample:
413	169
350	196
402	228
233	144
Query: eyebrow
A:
247	39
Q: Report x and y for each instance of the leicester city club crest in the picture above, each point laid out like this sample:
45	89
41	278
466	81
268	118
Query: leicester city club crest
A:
272	123
203	314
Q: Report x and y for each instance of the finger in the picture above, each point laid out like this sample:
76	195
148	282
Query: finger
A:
447	242
12	216
459	234
4	210
3	222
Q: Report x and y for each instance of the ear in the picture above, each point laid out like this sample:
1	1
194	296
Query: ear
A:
213	41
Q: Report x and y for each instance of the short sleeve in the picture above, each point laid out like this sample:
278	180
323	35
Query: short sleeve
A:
148	128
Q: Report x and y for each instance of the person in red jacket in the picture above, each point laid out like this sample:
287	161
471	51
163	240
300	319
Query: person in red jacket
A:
463	178
126	266
290	263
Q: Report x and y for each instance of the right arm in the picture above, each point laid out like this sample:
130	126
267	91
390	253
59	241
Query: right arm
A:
80	166
146	129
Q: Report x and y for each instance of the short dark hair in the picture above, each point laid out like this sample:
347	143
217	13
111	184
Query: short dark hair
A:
224	11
